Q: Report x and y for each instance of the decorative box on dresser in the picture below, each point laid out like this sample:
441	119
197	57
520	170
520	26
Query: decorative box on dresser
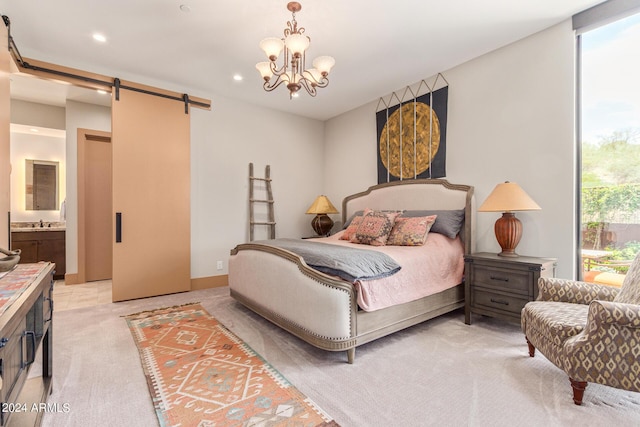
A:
499	286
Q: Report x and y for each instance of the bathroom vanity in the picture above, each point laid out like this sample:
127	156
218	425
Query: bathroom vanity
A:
46	243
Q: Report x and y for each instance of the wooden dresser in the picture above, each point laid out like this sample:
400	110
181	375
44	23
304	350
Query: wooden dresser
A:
26	317
498	286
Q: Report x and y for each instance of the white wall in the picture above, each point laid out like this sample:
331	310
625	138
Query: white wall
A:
34	114
84	116
510	117
223	143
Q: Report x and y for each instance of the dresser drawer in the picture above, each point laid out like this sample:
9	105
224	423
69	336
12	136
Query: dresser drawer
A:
501	278
497	301
11	361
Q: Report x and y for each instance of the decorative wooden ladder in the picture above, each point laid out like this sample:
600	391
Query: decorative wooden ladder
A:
271	223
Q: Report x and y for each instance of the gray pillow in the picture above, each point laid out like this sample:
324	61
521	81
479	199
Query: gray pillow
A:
448	222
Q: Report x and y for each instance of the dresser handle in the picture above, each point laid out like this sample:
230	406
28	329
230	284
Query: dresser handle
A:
32	341
498	301
50	308
502	279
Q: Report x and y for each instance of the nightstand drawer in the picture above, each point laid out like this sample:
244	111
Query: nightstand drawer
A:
500	278
498	302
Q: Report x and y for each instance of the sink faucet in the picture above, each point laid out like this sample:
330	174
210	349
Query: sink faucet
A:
41	224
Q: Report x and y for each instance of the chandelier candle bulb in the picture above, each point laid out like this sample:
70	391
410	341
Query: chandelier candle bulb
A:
292	72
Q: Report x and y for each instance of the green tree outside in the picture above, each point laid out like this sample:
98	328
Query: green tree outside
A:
611	187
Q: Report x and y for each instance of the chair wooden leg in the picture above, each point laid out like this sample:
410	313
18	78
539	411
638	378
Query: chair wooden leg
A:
532	349
578	390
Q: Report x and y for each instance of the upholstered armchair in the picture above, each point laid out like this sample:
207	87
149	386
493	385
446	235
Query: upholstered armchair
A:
590	331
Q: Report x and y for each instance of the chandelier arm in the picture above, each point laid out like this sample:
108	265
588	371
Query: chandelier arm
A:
271	85
324	82
311	89
278	72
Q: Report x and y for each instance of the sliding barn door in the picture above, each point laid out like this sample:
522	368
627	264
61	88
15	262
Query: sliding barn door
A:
151	196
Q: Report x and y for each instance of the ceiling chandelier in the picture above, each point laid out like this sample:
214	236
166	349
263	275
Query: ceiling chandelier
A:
293	71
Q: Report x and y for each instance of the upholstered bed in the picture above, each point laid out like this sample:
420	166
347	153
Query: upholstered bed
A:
321	308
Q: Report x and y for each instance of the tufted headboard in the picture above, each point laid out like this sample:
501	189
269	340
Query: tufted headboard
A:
418	194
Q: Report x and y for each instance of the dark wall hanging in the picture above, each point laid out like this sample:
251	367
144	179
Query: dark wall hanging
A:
412	134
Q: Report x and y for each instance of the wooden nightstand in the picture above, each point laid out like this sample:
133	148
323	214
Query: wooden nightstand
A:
500	286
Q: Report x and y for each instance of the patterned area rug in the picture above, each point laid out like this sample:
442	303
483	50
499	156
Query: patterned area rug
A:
200	374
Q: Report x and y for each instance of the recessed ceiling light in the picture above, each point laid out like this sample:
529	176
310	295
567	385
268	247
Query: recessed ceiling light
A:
237	77
99	38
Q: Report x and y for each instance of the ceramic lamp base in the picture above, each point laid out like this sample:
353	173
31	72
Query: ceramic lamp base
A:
508	230
322	224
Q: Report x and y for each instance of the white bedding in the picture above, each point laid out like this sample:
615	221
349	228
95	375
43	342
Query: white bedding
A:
426	270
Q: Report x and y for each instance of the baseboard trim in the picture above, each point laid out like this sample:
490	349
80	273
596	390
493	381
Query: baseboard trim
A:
71	279
196	284
209	282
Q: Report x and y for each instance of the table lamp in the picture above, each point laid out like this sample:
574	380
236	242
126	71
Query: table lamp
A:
507	198
321	223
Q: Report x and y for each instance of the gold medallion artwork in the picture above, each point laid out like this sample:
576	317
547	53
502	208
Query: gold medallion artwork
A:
397	146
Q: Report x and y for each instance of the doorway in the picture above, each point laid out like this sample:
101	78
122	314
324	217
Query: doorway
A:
95	228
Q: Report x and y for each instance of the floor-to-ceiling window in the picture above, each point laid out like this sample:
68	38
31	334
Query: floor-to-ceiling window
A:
609	147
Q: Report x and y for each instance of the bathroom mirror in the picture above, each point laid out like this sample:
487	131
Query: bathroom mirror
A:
41	179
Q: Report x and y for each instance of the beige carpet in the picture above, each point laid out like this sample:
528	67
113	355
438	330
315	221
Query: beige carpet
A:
440	373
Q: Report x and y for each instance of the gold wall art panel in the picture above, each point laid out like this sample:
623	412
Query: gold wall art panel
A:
412	137
408	143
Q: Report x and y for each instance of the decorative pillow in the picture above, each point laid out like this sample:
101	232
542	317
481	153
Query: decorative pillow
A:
410	231
375	228
630	291
354	222
364	212
449	222
355	215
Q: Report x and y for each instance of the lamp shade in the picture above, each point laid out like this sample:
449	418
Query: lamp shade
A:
265	69
272	47
324	64
508	197
322	205
296	43
313	75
